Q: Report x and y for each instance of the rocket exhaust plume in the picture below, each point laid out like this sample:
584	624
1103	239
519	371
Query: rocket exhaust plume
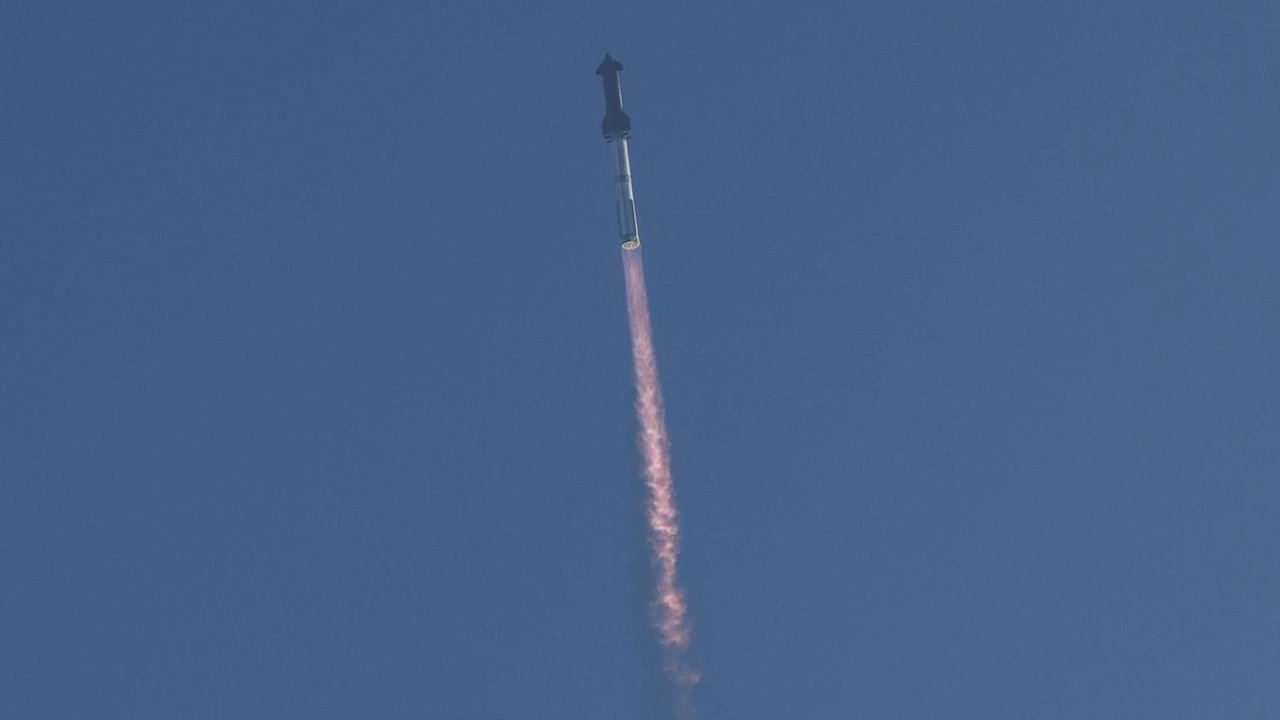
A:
668	606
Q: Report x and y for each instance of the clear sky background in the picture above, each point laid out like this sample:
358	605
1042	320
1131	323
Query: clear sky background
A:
315	391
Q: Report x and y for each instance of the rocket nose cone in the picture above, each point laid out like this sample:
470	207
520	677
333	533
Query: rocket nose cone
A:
608	65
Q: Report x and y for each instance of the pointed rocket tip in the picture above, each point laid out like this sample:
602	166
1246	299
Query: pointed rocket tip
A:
608	65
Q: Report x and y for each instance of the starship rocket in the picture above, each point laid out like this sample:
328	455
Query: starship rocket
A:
617	129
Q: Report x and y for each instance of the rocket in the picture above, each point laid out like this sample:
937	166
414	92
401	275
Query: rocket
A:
617	129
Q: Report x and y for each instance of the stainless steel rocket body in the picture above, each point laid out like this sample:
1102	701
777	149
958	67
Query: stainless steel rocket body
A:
617	129
627	228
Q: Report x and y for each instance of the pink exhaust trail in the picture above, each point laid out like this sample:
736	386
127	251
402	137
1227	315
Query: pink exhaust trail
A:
668	607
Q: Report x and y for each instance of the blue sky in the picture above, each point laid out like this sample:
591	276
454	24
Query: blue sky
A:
316	392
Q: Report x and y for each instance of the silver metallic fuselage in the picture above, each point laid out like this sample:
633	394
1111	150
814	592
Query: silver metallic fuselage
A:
617	129
627	229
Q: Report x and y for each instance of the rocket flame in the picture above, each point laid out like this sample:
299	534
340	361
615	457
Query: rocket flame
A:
669	610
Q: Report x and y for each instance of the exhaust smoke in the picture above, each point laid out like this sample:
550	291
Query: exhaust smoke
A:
668	608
